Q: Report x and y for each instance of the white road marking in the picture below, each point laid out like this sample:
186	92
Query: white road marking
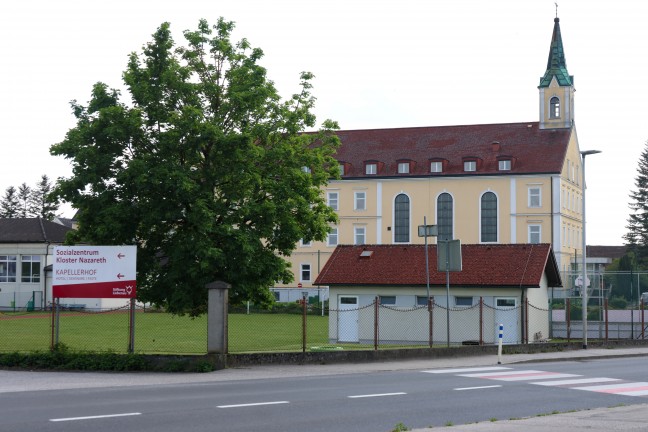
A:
477	388
523	375
575	381
94	417
466	370
252	404
625	389
376	395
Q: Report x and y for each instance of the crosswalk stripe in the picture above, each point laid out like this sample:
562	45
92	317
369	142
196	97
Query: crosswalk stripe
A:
571	381
625	389
524	375
575	381
463	370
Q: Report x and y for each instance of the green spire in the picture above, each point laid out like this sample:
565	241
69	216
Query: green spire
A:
556	65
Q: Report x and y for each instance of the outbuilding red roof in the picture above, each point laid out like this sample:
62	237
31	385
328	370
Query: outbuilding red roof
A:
497	265
530	149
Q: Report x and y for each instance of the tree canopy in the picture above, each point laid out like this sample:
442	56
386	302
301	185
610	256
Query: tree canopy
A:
206	169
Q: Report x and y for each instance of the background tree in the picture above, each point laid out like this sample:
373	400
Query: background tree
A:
42	202
637	235
203	170
10	205
24	200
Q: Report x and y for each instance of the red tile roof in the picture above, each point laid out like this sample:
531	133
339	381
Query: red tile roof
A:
531	150
501	265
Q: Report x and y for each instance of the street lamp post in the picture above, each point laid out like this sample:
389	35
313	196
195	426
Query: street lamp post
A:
584	254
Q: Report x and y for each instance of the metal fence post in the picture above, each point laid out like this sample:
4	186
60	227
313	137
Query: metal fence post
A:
568	316
642	319
53	326
605	305
526	321
303	323
481	320
131	327
431	320
376	306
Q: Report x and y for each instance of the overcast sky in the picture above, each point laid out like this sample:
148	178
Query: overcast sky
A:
378	64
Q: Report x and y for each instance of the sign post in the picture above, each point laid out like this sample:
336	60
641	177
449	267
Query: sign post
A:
448	259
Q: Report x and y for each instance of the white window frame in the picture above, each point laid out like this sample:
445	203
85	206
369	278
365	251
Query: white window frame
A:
456	301
470	166
333	200
31	277
359	232
305	244
421	301
531	195
10	271
504	165
371	169
360	197
341	168
534	230
333	236
403	168
303	268
436	166
391	300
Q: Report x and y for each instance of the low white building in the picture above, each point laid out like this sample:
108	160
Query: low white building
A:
498	283
26	246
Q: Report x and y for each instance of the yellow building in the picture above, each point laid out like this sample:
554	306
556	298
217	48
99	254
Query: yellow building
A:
491	183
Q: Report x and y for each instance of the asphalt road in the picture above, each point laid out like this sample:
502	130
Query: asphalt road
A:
347	400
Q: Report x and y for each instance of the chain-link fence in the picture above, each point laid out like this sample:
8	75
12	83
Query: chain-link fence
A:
299	326
613	320
107	330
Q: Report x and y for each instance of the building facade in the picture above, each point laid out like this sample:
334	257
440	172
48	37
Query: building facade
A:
26	248
492	183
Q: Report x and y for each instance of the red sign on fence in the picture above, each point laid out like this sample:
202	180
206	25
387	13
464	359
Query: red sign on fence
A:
94	271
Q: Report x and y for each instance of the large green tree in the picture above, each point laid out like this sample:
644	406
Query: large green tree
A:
204	169
637	234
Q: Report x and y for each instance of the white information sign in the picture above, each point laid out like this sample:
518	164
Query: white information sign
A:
94	271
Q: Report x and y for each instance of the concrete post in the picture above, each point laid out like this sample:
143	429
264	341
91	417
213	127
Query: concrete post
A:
217	317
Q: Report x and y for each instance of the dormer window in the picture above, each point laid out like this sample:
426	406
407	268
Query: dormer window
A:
504	165
554	105
436	167
470	165
371	169
403	168
341	168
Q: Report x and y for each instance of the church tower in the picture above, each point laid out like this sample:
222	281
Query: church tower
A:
556	87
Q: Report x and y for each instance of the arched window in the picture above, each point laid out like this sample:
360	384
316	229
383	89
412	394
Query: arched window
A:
554	103
489	217
444	216
401	219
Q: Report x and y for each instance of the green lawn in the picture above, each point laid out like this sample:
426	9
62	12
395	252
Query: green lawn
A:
159	332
